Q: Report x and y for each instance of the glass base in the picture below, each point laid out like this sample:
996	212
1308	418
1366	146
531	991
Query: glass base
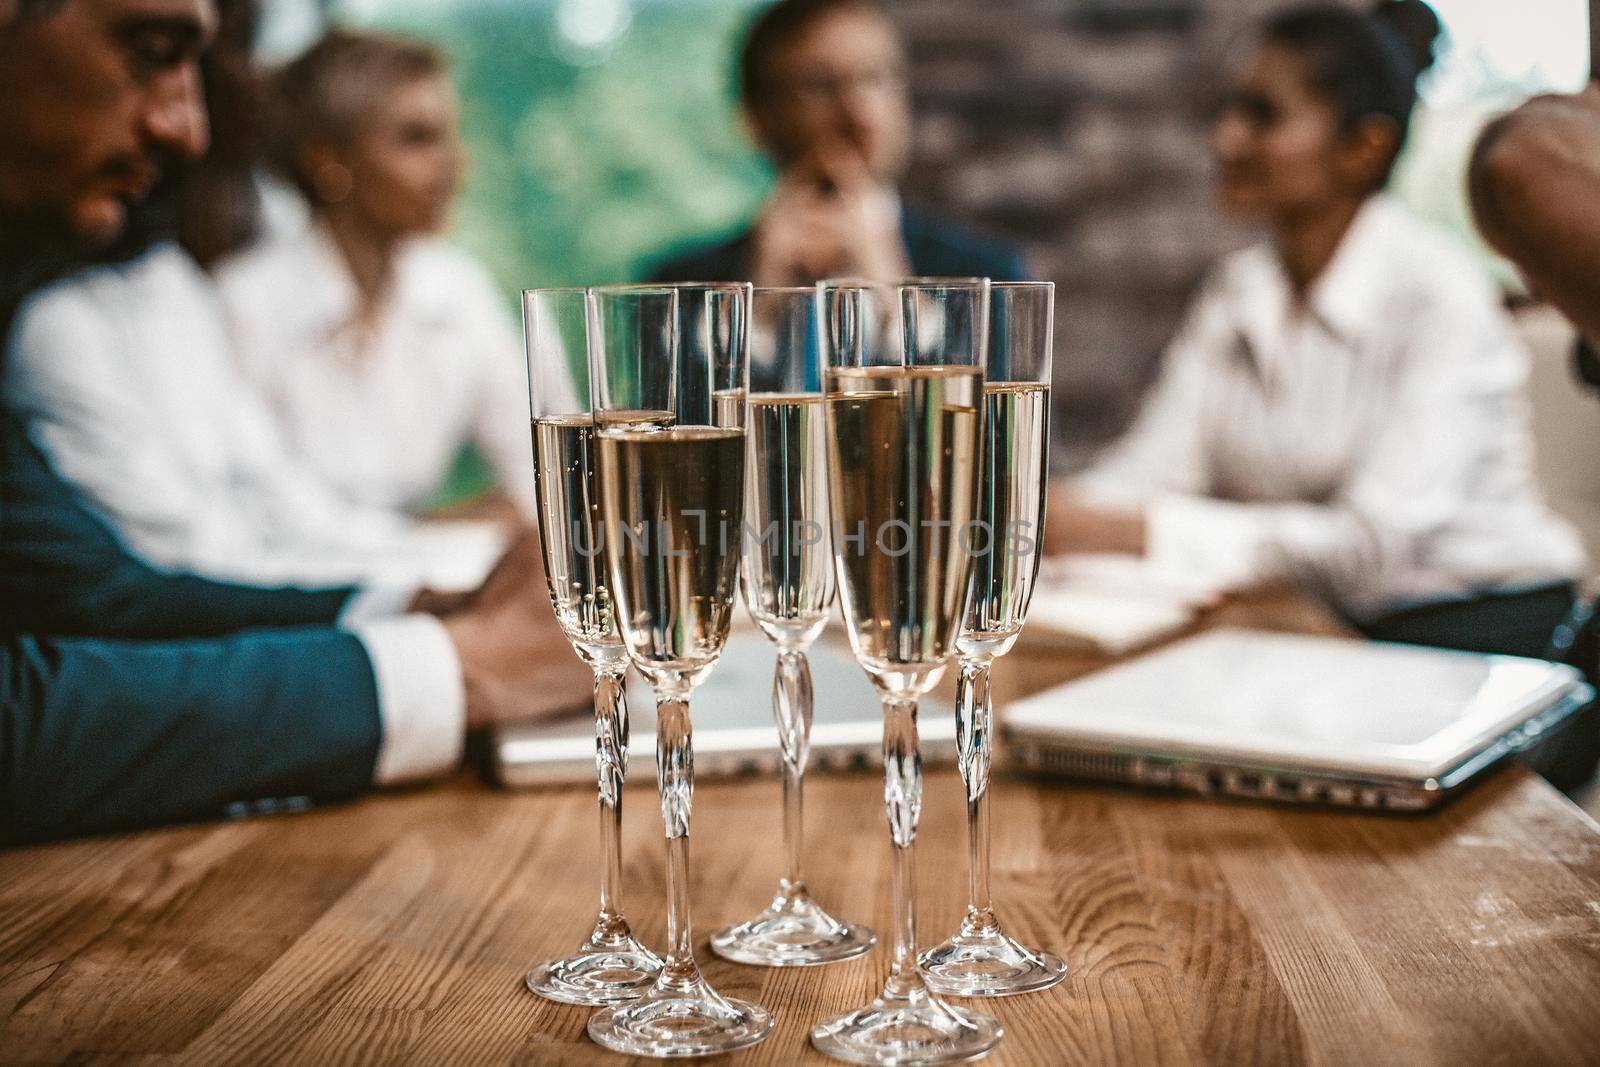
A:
916	1029
792	932
601	972
680	1020
988	964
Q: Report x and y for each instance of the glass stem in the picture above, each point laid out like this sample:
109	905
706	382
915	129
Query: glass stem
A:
975	755
902	802
611	765
792	707
675	777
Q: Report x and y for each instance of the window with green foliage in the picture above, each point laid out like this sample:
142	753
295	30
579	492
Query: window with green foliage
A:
600	134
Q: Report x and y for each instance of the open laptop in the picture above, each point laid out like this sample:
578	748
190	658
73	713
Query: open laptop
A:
733	728
1296	718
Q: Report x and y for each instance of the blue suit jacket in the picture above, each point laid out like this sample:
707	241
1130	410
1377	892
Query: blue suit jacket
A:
934	247
251	697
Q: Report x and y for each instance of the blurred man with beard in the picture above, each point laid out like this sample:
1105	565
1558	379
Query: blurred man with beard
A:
212	698
94	99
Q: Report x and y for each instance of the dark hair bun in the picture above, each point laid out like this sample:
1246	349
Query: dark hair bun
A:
1414	24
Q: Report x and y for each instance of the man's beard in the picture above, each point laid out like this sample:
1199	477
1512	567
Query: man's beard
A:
45	247
50	244
150	221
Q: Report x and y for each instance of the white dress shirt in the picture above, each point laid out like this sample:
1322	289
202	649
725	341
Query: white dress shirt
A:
126	381
1371	443
381	412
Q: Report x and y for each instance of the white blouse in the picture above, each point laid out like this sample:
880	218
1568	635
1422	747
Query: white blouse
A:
1372	443
128	383
381	412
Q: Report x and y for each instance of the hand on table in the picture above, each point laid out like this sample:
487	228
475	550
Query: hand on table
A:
516	663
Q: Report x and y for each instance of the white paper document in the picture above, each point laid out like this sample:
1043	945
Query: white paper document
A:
1116	603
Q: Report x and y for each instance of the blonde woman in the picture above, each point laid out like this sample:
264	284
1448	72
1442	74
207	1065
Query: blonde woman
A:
381	348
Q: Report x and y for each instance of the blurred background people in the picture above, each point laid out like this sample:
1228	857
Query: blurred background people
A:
128	696
823	90
128	381
1344	406
381	348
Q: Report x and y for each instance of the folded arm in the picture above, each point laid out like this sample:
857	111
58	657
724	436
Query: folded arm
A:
101	735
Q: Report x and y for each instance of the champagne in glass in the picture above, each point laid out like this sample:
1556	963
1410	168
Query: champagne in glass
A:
787	575
904	393
671	499
980	960
610	966
668	378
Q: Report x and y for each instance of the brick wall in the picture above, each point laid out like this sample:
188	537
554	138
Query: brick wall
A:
1079	127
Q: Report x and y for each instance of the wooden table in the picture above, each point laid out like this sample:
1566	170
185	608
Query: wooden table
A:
397	929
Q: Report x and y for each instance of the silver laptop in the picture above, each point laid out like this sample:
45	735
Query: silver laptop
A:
1295	718
733	728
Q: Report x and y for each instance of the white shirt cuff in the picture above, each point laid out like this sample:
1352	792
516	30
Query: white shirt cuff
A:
421	700
377	601
1219	539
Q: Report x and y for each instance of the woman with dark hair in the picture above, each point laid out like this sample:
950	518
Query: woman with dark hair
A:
382	348
1343	406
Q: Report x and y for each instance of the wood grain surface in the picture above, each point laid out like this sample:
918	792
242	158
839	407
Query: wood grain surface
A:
397	929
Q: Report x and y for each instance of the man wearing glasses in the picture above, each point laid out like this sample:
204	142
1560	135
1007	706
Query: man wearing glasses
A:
822	85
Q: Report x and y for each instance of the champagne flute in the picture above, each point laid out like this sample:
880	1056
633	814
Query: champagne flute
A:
787	576
903	414
980	960
610	966
668	376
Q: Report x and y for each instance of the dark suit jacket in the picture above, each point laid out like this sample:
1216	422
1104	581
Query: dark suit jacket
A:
250	698
934	247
